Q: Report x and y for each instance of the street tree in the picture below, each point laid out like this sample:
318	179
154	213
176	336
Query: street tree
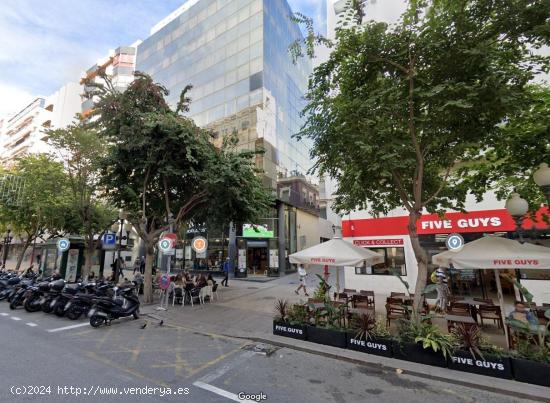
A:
396	109
162	168
82	150
514	152
38	211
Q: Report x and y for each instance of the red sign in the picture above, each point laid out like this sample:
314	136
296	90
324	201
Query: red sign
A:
172	237
323	260
474	221
515	262
378	242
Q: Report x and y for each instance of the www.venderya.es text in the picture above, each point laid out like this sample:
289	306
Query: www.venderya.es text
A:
95	390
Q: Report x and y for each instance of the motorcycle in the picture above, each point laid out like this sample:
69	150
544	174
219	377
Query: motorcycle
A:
106	309
8	287
34	295
81	302
48	301
19	293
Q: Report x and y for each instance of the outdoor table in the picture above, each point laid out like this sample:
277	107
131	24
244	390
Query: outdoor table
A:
453	319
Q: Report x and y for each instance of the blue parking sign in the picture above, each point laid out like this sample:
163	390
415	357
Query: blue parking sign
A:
109	240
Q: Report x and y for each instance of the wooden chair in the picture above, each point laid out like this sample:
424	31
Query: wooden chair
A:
397	294
341	296
545	304
394	312
349	290
491	312
394	301
485	301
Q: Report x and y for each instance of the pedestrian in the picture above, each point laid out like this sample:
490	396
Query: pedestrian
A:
142	265
226	272
303	274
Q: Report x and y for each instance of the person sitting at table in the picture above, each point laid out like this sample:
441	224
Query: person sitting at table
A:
201	281
520	313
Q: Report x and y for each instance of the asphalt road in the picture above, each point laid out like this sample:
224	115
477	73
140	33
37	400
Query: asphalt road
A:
106	363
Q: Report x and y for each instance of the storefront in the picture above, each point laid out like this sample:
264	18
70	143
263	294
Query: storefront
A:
389	236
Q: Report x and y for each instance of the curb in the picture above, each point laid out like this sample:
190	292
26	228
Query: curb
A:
508	388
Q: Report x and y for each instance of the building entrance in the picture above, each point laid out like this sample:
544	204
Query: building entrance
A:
257	259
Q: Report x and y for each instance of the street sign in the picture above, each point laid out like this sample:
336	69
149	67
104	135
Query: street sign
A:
109	241
454	242
167	243
199	244
164	281
63	244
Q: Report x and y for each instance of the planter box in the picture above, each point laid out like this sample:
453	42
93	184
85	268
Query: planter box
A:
376	346
326	336
497	367
288	330
415	353
537	373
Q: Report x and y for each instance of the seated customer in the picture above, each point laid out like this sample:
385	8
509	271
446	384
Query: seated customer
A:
522	314
201	281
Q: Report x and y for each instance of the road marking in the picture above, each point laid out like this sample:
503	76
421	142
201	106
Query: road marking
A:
60	329
4	314
220	392
15	318
31	324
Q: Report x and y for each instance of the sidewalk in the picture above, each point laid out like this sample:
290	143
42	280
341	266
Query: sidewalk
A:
245	310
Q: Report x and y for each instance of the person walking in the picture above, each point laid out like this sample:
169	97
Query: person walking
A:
226	272
303	274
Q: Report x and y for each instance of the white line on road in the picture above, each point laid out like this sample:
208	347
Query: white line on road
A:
31	324
60	329
4	314
15	318
220	392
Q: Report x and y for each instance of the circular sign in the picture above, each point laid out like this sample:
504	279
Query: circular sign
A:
63	244
165	245
199	244
454	242
164	281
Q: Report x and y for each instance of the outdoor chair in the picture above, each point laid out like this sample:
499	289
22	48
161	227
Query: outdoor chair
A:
394	301
543	320
491	312
206	293
177	295
195	295
394	312
545	304
341	296
215	291
349	290
485	301
397	294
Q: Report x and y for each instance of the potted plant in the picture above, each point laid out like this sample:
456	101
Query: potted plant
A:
422	342
326	323
473	353
531	358
369	335
288	322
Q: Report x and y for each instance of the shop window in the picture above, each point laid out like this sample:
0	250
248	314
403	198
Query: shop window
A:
394	262
534	274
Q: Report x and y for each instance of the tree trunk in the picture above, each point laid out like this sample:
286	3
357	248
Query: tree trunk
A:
422	262
22	254
148	280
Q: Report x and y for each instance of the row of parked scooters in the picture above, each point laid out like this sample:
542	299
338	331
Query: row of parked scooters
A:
101	302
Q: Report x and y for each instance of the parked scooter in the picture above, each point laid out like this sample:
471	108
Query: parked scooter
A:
33	298
19	293
124	303
48	301
81	303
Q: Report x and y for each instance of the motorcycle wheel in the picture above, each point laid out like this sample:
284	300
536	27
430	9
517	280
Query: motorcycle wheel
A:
73	314
136	314
13	304
46	307
96	321
59	310
31	305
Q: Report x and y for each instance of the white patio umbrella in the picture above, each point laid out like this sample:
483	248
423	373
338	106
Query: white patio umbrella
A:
336	252
497	253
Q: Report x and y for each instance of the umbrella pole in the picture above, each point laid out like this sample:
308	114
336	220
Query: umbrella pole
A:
337	281
501	302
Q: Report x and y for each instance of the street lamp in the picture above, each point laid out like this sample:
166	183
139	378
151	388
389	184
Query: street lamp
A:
517	207
542	179
7	240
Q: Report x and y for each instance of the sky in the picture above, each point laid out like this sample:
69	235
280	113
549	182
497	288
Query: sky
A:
45	44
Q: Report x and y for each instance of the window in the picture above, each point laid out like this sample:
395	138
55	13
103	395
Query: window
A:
534	274
394	261
256	81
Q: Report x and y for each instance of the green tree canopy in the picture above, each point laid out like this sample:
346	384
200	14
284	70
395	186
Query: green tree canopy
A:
395	110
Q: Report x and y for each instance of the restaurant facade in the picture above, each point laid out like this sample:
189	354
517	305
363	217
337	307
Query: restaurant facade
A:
389	236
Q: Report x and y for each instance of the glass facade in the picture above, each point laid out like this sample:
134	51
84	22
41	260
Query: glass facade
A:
235	54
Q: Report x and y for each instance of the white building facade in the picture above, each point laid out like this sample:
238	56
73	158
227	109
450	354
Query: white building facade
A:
24	132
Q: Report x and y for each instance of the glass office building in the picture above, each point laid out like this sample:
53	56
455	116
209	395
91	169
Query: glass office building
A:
235	55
